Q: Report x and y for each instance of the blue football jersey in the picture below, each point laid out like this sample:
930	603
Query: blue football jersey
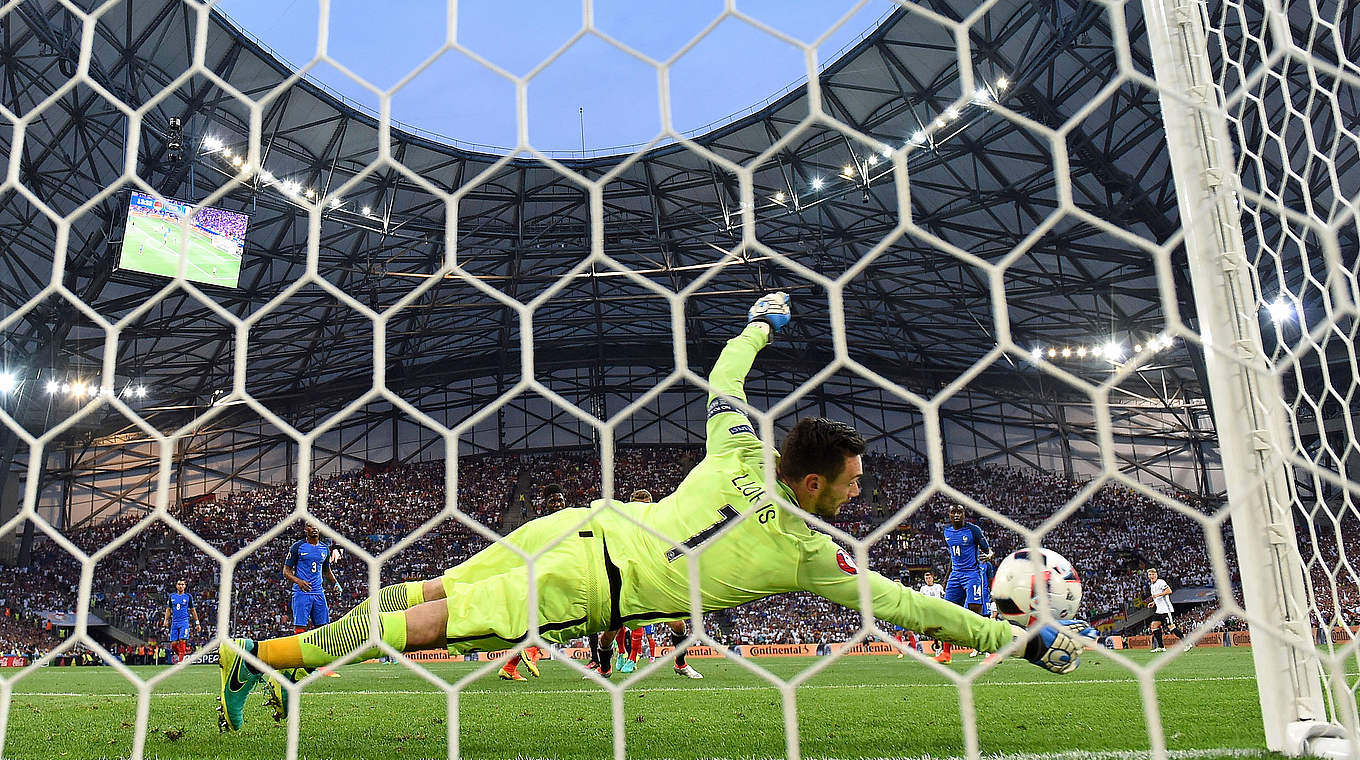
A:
308	561
964	544
180	604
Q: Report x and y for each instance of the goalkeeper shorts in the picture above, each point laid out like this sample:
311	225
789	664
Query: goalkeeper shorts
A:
488	595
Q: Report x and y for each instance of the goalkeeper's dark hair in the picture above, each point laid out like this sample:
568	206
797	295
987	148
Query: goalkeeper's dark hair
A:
818	445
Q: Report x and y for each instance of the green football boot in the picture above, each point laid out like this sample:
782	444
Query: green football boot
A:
275	695
238	680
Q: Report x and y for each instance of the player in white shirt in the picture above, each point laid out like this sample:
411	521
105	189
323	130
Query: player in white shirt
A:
1161	610
931	587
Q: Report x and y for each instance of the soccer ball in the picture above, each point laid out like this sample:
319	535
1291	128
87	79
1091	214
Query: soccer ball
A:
1016	588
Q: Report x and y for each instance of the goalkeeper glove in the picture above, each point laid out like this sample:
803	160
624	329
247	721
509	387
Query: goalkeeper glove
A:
1058	648
772	308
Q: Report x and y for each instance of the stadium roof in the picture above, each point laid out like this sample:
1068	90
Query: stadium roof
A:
983	189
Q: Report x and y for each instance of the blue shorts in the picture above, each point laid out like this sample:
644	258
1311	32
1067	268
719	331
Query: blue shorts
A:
647	629
310	609
964	588
179	631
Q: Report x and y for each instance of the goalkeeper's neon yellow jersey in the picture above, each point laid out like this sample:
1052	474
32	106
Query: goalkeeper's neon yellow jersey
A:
765	549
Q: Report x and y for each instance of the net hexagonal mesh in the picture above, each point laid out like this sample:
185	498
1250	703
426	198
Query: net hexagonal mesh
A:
1086	270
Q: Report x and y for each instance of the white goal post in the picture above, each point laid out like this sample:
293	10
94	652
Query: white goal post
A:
1253	433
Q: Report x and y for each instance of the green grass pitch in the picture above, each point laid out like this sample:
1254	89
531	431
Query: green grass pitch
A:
859	707
146	249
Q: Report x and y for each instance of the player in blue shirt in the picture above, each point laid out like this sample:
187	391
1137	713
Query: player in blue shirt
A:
308	563
177	614
988	571
968	549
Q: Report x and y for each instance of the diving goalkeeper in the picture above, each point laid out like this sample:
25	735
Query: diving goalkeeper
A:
596	569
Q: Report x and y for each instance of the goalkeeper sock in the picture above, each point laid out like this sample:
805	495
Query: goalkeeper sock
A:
415	594
335	640
946	648
332	641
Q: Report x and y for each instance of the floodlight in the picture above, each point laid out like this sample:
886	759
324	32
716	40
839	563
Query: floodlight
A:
7	382
816	183
919	136
141	391
52	387
1003	83
1280	311
1067	353
212	144
779	197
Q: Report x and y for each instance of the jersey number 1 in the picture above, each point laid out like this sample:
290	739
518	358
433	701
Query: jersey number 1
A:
728	514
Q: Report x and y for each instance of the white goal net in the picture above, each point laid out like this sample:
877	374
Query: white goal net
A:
953	220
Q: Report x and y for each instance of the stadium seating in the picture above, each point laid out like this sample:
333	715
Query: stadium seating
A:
1111	538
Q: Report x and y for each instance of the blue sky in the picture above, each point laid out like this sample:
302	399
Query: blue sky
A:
735	67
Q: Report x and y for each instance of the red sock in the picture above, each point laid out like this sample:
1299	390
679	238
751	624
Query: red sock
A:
912	634
946	648
621	641
299	629
511	663
651	645
636	648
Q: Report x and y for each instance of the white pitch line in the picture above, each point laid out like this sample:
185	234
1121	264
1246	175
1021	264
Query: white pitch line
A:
640	690
1128	754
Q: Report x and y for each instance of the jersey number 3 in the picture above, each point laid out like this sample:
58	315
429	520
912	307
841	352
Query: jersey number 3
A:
727	513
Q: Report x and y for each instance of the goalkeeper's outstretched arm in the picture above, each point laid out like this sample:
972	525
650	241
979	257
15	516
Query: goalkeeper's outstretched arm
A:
827	571
728	426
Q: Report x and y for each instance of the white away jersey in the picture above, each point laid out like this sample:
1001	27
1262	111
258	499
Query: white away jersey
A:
935	590
1162	604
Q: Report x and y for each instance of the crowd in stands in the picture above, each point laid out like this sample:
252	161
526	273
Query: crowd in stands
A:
221	222
1111	534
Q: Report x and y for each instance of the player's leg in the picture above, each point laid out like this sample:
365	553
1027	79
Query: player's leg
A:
620	644
1156	626
973	601
593	646
490	613
604	652
302	611
634	647
956	592
682	668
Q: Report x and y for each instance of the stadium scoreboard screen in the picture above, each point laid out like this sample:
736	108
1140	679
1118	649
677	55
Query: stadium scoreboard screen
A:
158	231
